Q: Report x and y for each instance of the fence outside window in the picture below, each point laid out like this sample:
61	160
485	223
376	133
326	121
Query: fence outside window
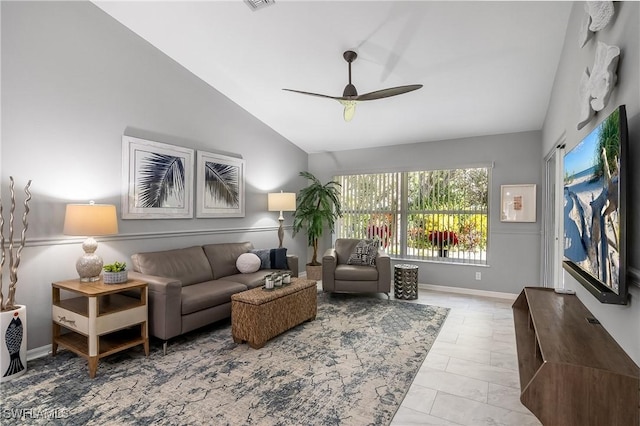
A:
438	215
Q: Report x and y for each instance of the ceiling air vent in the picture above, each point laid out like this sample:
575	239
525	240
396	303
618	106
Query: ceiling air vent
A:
259	4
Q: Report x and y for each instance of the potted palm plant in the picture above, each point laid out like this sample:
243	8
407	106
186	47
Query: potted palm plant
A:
318	207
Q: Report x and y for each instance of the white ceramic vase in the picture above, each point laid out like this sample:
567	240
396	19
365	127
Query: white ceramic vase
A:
13	343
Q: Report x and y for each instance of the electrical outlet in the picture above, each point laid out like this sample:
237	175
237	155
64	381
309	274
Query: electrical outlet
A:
478	276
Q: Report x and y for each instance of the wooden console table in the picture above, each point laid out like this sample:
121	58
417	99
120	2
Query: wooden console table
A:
100	320
572	372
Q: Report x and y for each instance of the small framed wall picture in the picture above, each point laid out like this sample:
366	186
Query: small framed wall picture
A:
219	185
157	180
518	203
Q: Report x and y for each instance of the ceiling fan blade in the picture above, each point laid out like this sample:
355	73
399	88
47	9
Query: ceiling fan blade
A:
385	93
313	94
350	96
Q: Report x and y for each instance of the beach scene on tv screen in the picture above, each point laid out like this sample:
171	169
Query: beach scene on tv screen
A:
591	223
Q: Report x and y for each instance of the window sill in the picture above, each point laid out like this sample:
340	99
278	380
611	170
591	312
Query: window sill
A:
440	260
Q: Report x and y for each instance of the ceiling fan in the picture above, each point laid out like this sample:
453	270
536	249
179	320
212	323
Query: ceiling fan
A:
350	96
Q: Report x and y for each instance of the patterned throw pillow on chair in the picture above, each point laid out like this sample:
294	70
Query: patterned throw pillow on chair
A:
364	254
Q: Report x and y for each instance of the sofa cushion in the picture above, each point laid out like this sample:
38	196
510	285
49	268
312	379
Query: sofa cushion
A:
364	254
272	258
222	257
247	263
252	280
356	273
205	295
189	265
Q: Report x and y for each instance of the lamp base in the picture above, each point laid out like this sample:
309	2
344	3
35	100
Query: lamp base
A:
89	265
281	231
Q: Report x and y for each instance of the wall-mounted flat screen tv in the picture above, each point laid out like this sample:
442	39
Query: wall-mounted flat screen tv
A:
595	208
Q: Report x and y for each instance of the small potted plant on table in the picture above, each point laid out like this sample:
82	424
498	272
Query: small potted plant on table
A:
115	273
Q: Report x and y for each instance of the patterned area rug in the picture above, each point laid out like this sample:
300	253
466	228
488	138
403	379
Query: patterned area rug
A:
351	366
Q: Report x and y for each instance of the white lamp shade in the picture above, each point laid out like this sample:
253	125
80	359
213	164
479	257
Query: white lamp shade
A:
281	201
90	220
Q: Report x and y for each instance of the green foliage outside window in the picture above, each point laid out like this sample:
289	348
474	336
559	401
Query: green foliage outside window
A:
471	230
422	202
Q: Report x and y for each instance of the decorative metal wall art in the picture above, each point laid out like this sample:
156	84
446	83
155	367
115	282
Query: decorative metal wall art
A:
596	17
596	86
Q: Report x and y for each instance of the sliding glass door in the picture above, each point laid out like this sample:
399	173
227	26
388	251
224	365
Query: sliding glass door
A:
552	244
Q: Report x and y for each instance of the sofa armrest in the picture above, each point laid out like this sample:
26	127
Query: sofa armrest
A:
165	305
292	263
329	263
383	264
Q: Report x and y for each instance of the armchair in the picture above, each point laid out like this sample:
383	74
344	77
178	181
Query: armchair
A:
339	277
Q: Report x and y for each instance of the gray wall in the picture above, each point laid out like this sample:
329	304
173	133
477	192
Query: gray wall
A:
623	322
514	253
74	81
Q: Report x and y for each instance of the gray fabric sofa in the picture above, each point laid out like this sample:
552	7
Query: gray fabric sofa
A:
339	277
192	287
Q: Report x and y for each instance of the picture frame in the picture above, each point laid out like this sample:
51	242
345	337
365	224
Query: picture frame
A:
220	185
157	180
518	203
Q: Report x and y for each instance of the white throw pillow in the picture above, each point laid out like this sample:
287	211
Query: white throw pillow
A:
247	263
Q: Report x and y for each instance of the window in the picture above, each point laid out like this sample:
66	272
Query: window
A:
439	215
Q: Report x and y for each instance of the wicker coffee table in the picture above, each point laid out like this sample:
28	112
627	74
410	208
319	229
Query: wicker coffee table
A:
258	315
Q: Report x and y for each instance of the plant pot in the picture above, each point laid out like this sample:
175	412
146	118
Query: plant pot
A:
314	272
115	277
13	345
443	252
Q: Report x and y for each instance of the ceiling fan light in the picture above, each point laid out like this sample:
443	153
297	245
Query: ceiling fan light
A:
349	109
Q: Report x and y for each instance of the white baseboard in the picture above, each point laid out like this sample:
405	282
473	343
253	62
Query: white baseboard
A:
40	352
474	292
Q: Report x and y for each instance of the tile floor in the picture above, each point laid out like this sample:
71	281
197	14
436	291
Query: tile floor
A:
470	376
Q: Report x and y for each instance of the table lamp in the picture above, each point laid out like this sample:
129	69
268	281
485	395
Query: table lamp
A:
282	202
90	220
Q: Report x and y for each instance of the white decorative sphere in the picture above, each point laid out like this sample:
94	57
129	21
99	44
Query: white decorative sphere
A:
247	263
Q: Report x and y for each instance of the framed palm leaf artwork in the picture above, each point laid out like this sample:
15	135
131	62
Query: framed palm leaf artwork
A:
219	185
157	180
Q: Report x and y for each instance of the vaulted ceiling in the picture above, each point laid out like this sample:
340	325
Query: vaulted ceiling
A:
486	67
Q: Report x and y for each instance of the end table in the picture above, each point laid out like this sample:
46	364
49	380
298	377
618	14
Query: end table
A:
100	320
405	280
